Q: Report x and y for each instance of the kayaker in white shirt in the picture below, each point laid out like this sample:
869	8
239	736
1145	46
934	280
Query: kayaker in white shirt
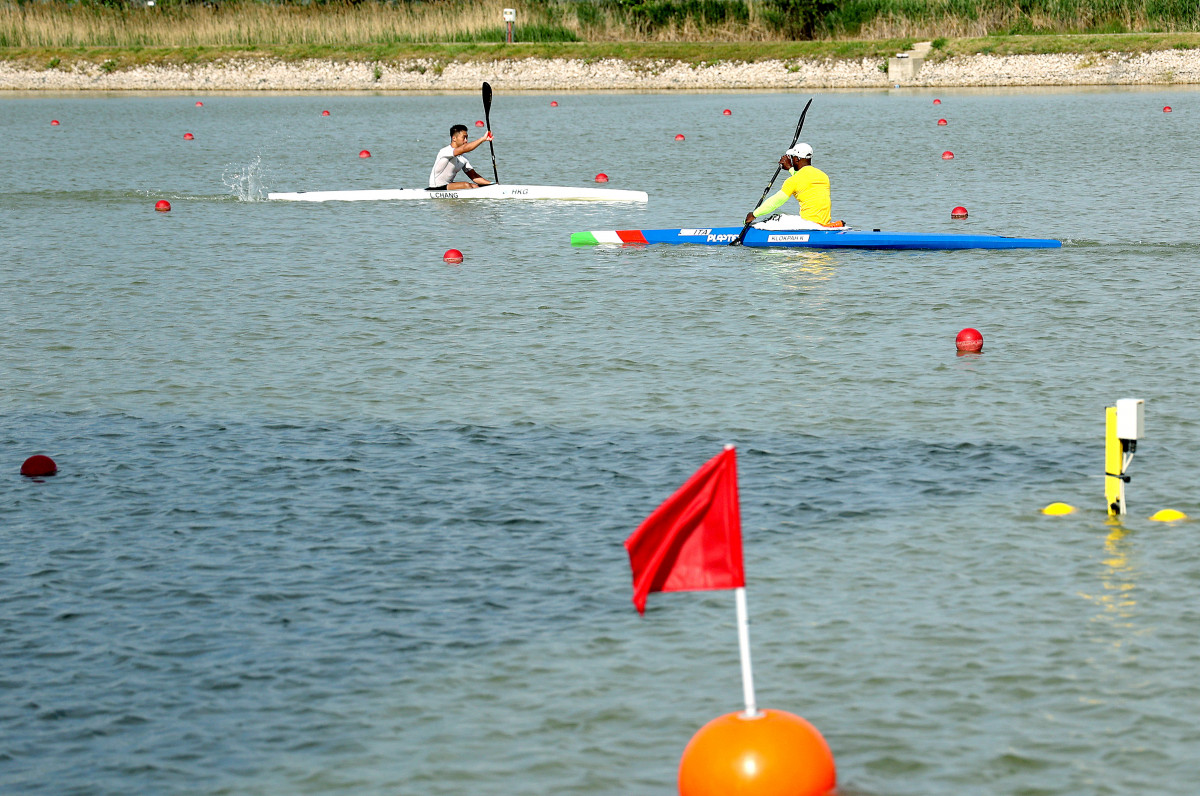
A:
451	160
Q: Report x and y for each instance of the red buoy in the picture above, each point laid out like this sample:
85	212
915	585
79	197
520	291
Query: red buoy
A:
324	113
453	256
479	123
937	102
366	153
553	103
38	466
679	137
941	122
188	136
726	112
947	155
969	340
54	122
162	205
601	177
958	212
199	104
1166	109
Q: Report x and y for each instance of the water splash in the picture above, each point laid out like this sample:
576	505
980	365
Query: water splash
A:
247	181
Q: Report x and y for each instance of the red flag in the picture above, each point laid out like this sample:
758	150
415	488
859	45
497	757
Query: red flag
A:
693	541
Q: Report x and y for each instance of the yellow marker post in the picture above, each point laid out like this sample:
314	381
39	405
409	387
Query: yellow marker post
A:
1124	425
1114	465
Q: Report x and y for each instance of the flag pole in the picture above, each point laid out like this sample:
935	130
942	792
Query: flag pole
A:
743	623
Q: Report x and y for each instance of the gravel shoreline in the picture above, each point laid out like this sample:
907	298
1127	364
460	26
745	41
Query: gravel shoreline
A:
1090	69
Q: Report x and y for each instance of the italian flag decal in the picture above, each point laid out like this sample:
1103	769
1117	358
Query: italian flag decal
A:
611	236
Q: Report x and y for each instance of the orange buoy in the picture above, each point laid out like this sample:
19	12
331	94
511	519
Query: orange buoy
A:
54	122
679	137
553	103
969	340
479	123
453	256
162	206
947	155
958	212
199	104
188	136
941	122
1166	109
601	177
366	153
38	466
937	102
324	113
726	112
775	753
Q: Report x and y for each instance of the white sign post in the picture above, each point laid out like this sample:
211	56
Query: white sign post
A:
510	16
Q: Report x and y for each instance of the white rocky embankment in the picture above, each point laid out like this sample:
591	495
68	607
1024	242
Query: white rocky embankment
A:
1154	68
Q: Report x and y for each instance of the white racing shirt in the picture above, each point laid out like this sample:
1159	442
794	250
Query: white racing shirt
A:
446	166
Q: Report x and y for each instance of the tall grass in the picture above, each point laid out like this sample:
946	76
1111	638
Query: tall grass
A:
248	23
958	18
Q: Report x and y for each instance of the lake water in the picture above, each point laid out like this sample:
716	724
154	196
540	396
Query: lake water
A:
334	516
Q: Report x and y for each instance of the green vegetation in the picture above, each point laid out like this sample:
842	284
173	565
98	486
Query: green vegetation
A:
692	31
124	23
684	52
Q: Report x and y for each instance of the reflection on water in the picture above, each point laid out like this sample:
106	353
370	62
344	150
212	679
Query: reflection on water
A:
1117	578
801	268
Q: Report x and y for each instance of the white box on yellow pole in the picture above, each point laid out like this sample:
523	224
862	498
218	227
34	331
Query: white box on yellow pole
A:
1131	418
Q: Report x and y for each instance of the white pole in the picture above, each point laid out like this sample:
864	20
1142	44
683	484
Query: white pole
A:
744	645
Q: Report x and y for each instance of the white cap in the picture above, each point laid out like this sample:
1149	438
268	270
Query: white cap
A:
800	151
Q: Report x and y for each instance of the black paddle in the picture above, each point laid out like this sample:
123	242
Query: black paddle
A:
778	168
487	117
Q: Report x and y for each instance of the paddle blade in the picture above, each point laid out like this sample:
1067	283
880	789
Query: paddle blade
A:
487	115
800	124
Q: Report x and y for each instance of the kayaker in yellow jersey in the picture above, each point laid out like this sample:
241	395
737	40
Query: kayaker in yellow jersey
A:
808	184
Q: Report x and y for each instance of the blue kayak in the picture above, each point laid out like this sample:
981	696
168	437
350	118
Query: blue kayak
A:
811	239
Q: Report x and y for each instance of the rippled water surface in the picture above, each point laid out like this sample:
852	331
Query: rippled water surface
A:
334	516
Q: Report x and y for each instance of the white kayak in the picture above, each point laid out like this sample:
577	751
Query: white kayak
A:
554	192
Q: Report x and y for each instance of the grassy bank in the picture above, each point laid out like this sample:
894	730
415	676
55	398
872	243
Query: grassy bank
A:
247	23
697	53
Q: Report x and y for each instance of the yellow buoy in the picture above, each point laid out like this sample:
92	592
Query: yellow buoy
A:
1168	515
1058	509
